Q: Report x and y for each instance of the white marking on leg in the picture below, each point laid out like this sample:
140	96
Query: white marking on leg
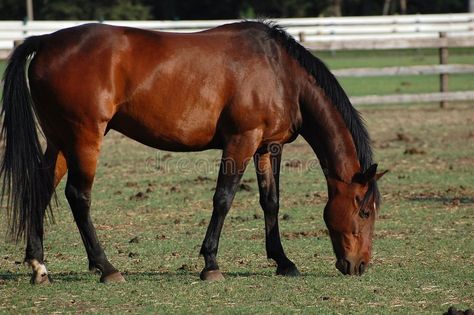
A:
39	270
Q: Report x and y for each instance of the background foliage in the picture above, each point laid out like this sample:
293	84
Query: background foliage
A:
209	9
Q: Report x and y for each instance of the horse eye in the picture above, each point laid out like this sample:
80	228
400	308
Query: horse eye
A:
364	214
358	200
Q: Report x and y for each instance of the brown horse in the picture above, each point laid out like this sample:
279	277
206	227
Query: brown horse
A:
240	87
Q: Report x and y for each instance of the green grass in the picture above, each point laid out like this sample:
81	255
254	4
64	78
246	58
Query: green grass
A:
3	65
398	84
404	84
423	246
390	58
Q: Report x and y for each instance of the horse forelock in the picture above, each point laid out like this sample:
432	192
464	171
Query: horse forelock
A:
373	192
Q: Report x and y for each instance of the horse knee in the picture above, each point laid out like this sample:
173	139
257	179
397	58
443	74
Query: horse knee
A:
222	202
270	205
77	197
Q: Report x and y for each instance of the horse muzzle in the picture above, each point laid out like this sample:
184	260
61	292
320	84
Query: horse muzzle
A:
347	267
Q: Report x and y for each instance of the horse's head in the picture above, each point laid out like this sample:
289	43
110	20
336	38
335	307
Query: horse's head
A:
350	217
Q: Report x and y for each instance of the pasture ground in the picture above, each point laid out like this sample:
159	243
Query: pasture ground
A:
151	209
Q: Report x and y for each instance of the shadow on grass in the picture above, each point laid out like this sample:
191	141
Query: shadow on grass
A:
153	275
62	276
443	199
8	276
143	276
250	274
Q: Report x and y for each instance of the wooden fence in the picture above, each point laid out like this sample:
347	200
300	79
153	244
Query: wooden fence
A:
441	32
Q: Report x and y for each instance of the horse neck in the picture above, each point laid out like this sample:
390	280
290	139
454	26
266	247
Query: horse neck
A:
326	132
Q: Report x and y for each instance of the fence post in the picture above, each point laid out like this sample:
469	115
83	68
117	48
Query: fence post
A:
29	9
443	60
23	27
302	37
17	42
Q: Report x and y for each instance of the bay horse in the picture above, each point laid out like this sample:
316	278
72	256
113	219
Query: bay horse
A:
246	88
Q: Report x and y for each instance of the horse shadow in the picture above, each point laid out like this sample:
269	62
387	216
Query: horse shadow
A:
448	200
141	276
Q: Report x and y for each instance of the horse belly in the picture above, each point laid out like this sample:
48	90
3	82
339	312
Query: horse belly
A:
163	130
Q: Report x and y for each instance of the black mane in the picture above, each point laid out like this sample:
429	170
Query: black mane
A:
329	84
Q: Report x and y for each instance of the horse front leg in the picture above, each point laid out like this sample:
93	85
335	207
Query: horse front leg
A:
267	166
235	158
54	170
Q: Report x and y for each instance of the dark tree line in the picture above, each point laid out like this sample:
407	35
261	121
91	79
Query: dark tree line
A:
221	9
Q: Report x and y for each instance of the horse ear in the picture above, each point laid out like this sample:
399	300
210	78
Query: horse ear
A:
370	173
367	176
379	175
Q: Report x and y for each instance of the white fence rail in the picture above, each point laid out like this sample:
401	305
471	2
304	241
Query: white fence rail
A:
440	31
308	30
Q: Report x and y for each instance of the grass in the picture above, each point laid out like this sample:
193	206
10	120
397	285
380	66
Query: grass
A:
423	246
390	58
3	65
398	84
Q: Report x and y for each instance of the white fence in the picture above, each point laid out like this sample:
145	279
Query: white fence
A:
317	33
440	31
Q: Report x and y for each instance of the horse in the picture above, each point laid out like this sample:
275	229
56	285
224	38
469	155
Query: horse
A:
247	88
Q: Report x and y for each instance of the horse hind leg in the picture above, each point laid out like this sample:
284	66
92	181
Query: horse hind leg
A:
54	169
82	162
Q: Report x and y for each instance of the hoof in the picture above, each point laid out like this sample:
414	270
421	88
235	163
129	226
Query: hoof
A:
37	278
40	273
94	270
211	275
115	277
288	271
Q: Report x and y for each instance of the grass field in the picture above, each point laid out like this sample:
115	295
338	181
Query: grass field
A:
423	246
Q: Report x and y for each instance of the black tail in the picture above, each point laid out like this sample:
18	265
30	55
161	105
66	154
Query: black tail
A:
26	185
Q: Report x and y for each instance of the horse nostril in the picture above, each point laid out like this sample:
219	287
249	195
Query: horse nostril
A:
361	268
347	264
344	266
